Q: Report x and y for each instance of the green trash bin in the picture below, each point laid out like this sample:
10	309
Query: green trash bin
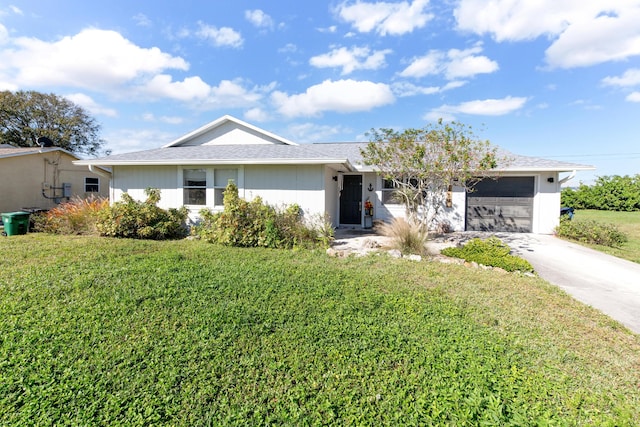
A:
15	223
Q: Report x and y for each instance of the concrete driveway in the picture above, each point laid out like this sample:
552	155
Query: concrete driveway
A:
605	282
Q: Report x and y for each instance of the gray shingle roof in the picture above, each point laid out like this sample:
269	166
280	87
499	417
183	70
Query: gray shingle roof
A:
516	162
267	153
319	153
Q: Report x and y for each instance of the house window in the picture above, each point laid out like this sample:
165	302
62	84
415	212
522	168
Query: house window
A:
221	178
91	185
195	186
388	190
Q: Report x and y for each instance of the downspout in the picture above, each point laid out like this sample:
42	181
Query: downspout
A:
567	178
99	172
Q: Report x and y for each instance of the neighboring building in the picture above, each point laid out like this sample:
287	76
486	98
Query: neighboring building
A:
40	178
323	178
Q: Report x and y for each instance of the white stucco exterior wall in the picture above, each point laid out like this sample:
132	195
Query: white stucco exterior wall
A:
135	179
331	194
276	185
546	209
280	185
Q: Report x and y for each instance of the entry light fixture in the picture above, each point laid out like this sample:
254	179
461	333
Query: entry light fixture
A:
550	179
335	178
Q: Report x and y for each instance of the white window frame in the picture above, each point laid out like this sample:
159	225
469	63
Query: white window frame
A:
211	186
96	184
204	187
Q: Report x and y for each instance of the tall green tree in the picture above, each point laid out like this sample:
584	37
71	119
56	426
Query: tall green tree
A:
424	164
26	116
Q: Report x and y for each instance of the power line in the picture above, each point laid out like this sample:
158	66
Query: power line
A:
595	155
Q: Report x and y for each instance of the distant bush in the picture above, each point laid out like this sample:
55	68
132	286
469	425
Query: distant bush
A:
256	224
491	252
78	216
590	231
611	193
408	237
142	220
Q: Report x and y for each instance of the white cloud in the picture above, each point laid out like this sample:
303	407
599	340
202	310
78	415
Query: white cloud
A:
288	48
4	35
258	18
163	86
172	120
90	105
233	94
453	64
92	59
127	140
311	132
104	61
582	33
430	64
332	29
465	63
631	77
404	89
602	39
356	58
385	18
633	97
256	114
485	107
224	36
142	20
343	96
16	10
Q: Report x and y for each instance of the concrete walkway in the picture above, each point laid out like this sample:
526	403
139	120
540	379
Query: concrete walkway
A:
605	282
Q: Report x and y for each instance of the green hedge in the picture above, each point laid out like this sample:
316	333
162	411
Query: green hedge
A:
590	231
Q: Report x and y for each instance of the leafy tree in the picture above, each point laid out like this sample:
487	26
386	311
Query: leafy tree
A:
423	164
611	193
26	116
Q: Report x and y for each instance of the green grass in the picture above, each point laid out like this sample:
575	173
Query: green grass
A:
627	222
96	331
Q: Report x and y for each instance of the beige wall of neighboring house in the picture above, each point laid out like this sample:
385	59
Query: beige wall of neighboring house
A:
26	172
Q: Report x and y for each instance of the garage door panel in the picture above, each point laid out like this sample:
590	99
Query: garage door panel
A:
505	204
514	211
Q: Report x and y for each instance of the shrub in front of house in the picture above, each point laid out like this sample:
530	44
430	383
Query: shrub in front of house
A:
590	231
256	224
77	216
142	220
407	237
491	252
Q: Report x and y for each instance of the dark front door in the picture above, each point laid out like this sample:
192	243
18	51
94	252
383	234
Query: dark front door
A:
351	200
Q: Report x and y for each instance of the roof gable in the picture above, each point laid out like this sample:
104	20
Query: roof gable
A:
228	130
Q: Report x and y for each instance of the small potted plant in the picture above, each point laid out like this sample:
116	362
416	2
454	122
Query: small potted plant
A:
368	208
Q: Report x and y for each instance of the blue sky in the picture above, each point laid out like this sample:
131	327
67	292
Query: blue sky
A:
550	78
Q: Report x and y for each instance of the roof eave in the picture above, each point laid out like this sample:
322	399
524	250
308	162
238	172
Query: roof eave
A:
39	151
208	162
546	169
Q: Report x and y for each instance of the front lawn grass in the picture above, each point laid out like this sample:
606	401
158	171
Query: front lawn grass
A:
97	331
627	222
